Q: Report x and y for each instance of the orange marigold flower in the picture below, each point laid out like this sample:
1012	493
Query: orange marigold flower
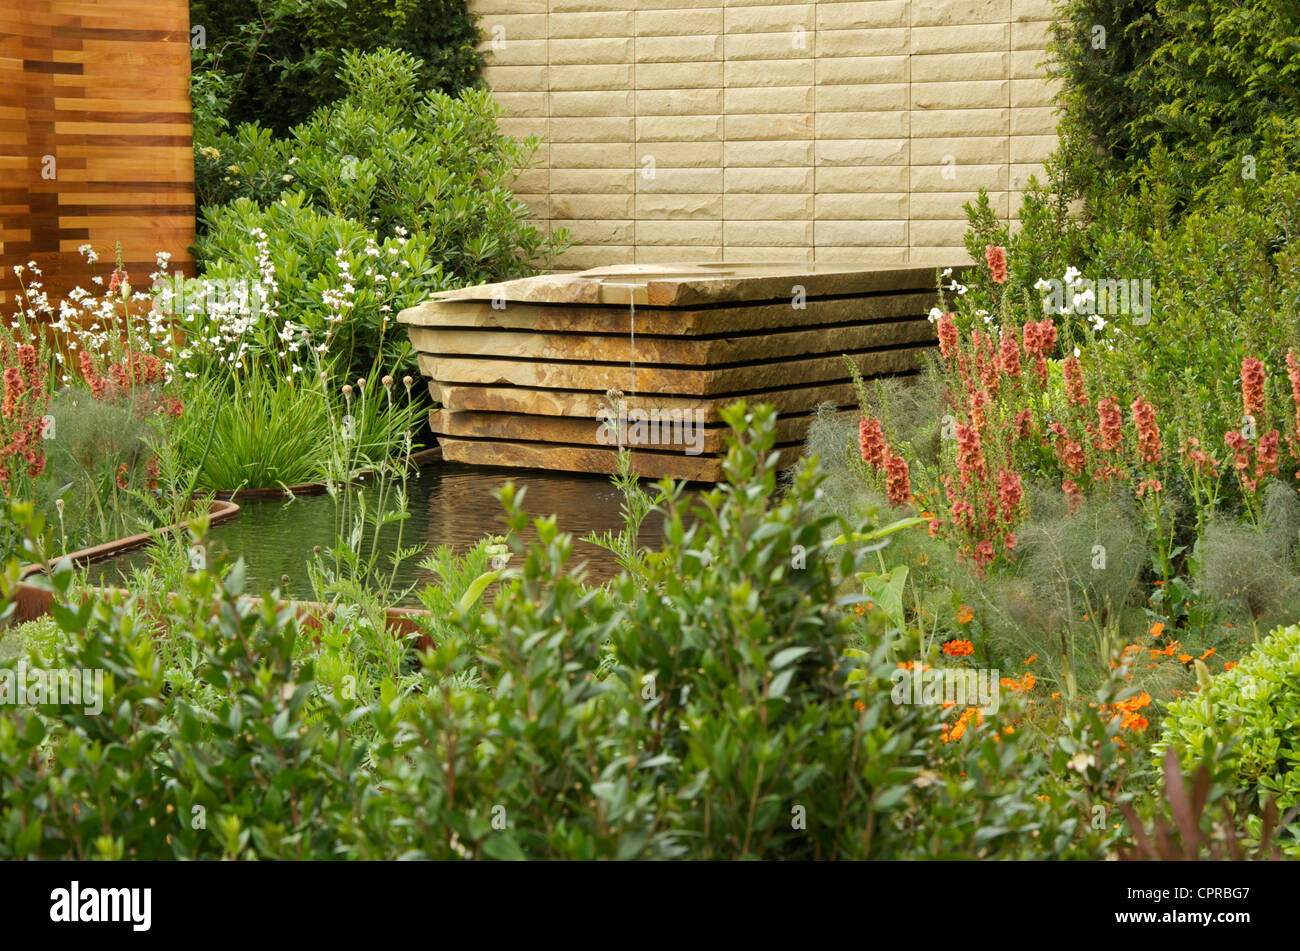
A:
1133	721
1157	628
1229	665
1184	658
959	648
1207	653
964	615
1032	659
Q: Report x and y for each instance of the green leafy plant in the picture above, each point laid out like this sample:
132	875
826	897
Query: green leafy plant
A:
376	201
277	60
1244	725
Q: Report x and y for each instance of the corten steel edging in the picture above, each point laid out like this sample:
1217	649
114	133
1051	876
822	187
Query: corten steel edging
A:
219	512
33	603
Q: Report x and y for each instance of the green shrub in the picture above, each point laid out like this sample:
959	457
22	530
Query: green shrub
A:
277	61
1245	725
1100	50
717	713
378	200
1208	85
16	641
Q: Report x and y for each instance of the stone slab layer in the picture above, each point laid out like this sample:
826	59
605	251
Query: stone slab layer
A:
532	372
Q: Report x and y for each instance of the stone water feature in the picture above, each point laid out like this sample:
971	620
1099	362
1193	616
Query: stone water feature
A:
557	371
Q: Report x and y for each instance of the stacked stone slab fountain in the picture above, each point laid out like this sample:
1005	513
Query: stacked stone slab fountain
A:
558	371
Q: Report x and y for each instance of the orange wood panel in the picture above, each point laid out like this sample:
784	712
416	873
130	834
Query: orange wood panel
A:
95	138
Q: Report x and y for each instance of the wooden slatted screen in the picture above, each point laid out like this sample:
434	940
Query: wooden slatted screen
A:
95	138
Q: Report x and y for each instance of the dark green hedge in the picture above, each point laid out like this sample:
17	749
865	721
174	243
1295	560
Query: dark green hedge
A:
278	60
1211	82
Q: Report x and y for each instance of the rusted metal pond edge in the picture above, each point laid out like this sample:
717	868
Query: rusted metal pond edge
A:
33	603
220	511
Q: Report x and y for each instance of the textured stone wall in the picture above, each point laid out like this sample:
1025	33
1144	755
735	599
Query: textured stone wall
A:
810	133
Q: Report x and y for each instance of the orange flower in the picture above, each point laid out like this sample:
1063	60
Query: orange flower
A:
1134	703
1184	658
958	729
1134	722
1032	659
1207	653
1157	628
859	706
964	615
1025	684
1229	665
959	648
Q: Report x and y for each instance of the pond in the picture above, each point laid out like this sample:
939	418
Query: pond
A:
450	504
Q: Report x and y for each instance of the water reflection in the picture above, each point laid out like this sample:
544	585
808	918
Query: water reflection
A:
450	504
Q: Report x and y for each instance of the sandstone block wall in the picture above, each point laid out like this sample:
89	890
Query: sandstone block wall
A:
728	131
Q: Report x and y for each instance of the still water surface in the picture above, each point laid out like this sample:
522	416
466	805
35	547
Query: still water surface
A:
450	504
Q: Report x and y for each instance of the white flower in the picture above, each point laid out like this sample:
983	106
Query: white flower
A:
1042	284
1071	275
